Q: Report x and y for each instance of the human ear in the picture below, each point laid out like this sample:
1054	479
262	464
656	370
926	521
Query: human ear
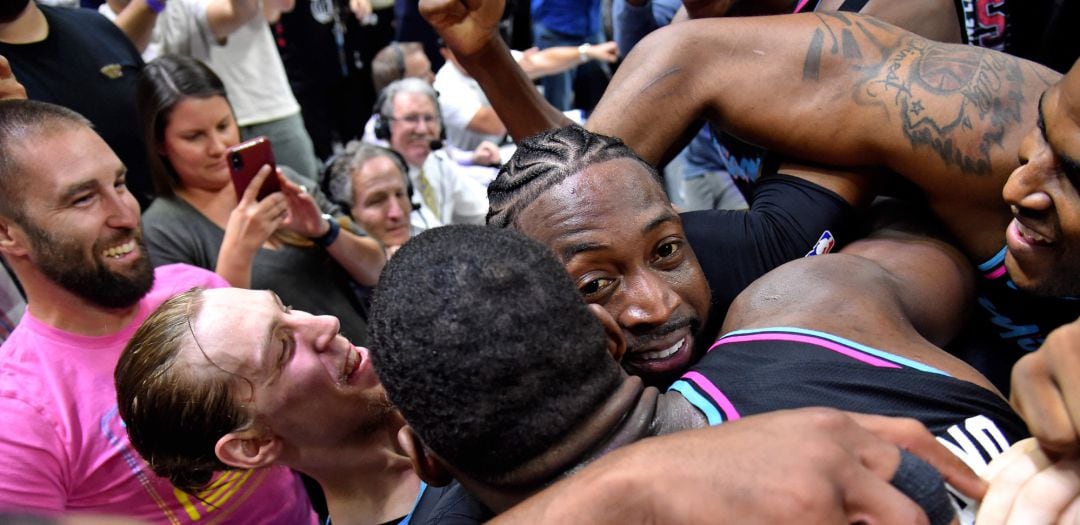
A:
426	465
12	238
616	341
248	449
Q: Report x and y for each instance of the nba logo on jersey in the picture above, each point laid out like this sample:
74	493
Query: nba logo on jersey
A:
823	245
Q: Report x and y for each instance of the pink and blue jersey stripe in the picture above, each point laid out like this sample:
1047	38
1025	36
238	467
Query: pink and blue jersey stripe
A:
718	407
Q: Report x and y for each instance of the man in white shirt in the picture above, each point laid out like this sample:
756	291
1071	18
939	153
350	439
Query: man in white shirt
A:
409	119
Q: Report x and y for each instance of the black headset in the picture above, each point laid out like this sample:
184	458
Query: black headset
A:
346	203
382	121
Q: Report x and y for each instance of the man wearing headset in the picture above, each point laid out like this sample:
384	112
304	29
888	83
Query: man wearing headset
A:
400	60
372	183
409	119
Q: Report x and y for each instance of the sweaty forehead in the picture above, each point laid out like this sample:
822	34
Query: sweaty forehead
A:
612	195
233	325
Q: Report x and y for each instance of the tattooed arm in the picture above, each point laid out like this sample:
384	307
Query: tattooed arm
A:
837	89
843	90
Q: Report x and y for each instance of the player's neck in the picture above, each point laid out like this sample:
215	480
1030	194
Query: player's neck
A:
625	417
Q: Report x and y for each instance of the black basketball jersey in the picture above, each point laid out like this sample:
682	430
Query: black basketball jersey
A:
1019	320
754	371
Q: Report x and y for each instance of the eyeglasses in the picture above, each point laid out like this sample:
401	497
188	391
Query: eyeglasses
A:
414	120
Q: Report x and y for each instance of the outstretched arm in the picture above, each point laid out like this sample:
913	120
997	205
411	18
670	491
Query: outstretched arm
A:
842	90
542	62
469	28
838	89
137	20
835	88
835	469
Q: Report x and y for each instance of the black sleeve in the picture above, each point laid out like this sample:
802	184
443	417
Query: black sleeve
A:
787	218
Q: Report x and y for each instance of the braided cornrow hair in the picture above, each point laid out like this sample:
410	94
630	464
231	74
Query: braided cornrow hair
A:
544	160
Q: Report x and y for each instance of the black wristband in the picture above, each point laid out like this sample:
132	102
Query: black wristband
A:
331	235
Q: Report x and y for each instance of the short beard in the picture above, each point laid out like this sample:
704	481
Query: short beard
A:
381	412
62	261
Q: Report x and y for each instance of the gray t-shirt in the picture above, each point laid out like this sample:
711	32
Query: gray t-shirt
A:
307	279
247	61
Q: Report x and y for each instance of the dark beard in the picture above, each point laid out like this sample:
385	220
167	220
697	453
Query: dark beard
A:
11	9
62	261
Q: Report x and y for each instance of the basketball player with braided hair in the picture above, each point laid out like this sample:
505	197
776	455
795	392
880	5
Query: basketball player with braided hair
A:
666	278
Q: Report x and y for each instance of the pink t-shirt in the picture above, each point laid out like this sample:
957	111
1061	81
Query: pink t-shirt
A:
63	446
